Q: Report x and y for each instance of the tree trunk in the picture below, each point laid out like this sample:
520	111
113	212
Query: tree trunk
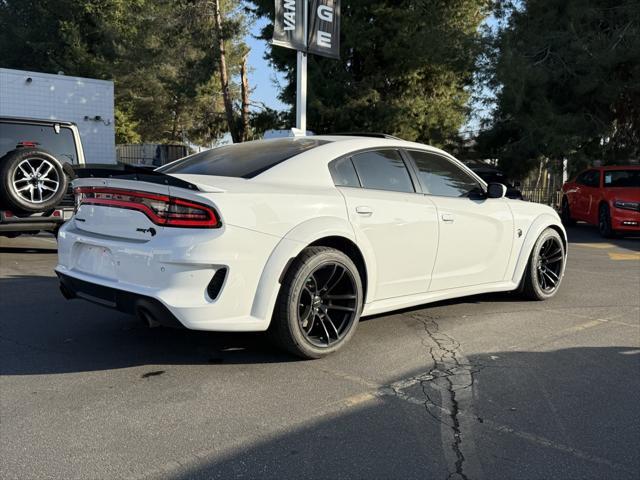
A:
224	75
245	98
540	167
174	123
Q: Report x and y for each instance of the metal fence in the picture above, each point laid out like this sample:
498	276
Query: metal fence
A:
546	196
149	153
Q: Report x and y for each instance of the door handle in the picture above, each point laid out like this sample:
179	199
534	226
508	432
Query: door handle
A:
364	211
447	217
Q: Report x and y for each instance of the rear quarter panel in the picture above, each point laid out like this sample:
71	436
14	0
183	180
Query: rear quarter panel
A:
294	216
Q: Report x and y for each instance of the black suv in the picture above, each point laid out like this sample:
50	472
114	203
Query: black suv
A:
36	157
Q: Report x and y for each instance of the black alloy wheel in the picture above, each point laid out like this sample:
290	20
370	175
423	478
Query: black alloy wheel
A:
319	303
550	263
565	213
328	304
604	221
543	274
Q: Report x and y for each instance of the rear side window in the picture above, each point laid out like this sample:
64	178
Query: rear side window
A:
61	145
439	176
242	160
344	174
383	170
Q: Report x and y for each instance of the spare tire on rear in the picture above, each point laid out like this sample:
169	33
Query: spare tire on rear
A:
31	180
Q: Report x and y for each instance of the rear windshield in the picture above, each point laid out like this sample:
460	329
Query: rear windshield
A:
242	160
61	145
622	178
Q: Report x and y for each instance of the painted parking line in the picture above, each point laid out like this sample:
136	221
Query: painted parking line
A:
593	245
624	256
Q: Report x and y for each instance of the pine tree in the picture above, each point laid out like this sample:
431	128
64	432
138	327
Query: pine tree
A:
405	68
567	73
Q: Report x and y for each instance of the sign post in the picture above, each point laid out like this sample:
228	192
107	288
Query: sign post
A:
301	92
301	76
308	26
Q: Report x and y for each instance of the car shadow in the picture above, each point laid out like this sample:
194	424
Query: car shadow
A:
526	417
583	233
42	333
7	249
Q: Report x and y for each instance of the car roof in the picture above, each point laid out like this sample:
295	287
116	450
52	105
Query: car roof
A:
377	140
310	167
42	121
620	167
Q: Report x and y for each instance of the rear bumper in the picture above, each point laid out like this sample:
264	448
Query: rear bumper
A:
174	270
121	300
30	223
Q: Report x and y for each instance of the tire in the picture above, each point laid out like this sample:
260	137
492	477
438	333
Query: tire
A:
565	213
309	319
546	266
604	221
31	180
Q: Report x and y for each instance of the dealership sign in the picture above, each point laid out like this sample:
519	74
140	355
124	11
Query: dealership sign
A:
288	29
308	26
311	26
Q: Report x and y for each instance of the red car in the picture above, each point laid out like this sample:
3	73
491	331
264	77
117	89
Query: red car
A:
605	196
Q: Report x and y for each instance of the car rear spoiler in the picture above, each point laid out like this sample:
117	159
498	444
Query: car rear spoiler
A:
126	172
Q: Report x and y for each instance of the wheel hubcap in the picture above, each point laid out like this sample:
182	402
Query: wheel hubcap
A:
36	180
549	265
327	306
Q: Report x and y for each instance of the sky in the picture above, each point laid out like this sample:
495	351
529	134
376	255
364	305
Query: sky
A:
262	77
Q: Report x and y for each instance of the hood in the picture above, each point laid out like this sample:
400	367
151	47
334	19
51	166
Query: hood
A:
623	193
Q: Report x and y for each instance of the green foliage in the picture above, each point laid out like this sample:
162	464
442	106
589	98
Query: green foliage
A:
267	119
126	128
158	52
567	74
405	68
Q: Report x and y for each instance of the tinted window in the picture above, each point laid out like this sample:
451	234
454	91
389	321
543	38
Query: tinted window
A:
60	145
344	174
440	176
580	178
383	170
622	178
245	160
590	178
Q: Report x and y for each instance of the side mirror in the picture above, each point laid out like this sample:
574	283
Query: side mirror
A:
496	190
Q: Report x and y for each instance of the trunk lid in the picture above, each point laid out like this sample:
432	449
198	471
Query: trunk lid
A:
118	222
131	223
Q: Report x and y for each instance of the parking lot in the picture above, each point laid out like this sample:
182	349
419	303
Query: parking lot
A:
485	387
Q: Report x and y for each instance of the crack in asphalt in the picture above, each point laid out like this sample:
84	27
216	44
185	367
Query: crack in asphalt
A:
447	368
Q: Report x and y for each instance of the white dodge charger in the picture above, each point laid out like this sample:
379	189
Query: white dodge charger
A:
301	237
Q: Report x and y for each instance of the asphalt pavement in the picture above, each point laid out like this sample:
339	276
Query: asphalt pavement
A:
484	387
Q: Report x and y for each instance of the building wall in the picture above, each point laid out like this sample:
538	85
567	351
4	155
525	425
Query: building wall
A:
59	97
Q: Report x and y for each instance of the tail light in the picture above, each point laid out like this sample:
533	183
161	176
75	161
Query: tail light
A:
27	144
161	209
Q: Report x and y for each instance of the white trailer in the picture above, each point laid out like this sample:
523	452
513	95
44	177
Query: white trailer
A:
84	101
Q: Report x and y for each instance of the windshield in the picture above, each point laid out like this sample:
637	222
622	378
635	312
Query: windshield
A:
622	178
242	160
